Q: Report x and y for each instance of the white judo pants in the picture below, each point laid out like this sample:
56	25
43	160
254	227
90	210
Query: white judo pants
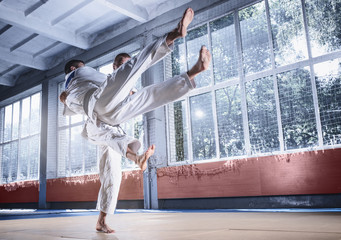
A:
110	175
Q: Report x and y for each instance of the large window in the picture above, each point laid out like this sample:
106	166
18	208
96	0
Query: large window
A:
20	140
76	156
274	84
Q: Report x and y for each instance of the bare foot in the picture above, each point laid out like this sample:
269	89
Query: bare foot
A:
181	30
202	64
142	159
186	19
102	227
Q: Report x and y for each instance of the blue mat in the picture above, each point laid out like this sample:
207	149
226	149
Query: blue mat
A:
11	214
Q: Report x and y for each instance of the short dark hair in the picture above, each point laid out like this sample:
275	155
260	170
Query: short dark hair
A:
119	58
71	63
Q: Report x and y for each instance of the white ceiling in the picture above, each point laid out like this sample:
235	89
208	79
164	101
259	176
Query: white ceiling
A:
41	34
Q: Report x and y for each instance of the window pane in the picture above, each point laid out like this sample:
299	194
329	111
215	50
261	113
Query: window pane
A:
34	156
287	31
14	160
138	130
107	69
133	127
76	151
262	116
62	120
195	39
224	49
8	123
76	119
324	18
90	158
35	114
63	153
24	156
2	123
203	137
297	109
25	117
5	163
328	84
15	126
127	164
178	131
255	41
230	122
179	64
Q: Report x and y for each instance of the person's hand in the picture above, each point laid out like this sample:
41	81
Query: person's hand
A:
62	97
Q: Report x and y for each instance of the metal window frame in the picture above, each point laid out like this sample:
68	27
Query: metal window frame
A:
68	127
20	138
242	79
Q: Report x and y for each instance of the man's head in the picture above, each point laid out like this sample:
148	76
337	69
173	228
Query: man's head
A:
120	59
72	65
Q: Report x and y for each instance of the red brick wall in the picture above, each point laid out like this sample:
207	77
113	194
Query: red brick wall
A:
316	172
20	192
85	188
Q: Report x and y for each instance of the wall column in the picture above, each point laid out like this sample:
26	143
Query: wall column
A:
43	145
155	128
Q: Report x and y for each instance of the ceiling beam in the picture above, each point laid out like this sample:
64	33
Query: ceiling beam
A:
127	8
25	59
8	80
34	7
36	25
9	69
5	28
23	42
70	12
95	22
46	49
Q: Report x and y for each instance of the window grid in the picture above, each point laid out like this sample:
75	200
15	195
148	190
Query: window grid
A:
214	104
66	125
275	83
272	73
242	83
71	163
15	163
312	77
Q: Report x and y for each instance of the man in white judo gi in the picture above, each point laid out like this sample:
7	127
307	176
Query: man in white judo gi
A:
106	101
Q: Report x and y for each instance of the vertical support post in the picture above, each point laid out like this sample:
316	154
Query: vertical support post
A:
43	145
155	125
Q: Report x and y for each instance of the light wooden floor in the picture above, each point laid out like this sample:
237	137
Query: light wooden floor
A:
177	225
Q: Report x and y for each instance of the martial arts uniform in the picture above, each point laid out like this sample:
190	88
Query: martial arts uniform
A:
104	100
